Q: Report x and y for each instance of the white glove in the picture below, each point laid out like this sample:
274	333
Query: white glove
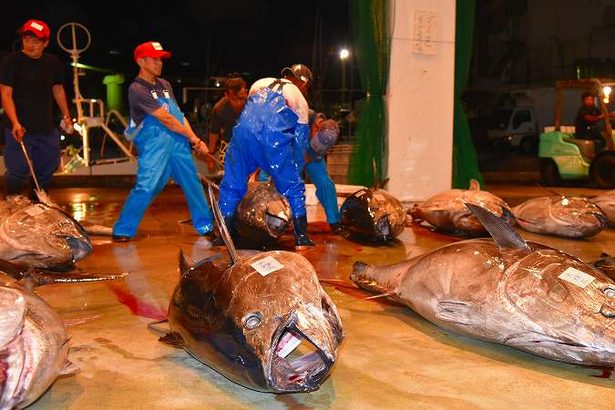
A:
66	125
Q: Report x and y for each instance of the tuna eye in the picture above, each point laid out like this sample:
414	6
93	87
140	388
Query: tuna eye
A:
252	320
609	293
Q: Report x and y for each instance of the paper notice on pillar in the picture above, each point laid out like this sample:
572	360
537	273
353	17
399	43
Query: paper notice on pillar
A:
425	32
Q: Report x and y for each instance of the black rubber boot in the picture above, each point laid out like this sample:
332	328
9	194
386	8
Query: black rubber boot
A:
302	241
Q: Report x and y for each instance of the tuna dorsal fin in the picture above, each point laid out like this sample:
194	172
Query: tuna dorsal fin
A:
382	184
455	311
474	185
375	182
224	233
184	265
173	339
69	368
550	190
501	232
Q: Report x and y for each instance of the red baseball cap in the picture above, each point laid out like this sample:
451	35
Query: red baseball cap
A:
37	27
151	49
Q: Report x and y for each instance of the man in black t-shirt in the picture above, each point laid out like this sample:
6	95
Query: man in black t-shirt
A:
225	114
30	80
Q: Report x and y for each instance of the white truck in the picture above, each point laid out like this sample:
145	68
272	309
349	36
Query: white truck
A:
523	116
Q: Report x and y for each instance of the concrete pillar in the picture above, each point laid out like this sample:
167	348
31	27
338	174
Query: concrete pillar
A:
420	98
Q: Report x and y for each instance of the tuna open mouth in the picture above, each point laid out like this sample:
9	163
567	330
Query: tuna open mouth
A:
298	365
276	225
384	227
79	248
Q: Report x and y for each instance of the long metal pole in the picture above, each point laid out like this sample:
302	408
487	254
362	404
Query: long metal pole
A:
25	152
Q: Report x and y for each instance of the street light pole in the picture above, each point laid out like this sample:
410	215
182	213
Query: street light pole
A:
344	54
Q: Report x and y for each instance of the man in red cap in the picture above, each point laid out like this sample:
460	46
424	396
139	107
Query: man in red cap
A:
30	79
163	138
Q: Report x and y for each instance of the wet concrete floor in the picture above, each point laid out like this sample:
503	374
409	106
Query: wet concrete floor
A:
391	358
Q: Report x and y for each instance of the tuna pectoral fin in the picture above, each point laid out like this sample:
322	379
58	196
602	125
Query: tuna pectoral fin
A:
69	368
454	311
173	339
501	232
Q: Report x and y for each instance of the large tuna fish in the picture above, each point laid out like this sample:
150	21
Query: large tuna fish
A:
568	217
606	202
260	319
447	211
373	215
33	339
39	235
523	295
262	216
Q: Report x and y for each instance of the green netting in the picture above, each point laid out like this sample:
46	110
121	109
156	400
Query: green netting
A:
465	161
372	49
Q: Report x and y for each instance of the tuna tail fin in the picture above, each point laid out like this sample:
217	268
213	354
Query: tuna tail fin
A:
224	233
69	368
501	232
360	276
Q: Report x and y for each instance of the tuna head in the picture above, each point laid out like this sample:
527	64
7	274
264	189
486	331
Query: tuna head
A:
606	202
569	305
41	236
373	215
571	217
33	346
289	321
264	323
263	215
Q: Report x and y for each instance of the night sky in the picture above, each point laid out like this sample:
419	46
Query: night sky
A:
207	38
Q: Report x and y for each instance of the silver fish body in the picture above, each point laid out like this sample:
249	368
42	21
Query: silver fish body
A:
33	345
262	216
569	217
245	320
373	215
446	211
40	236
541	301
606	202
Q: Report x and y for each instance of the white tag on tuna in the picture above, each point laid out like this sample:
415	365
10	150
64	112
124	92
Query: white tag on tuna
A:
267	265
35	210
576	277
289	343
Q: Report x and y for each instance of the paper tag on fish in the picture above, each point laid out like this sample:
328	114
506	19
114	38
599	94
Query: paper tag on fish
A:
289	342
34	210
576	277
267	265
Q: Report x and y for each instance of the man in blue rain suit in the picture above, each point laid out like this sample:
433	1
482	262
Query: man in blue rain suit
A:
324	135
272	130
162	137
